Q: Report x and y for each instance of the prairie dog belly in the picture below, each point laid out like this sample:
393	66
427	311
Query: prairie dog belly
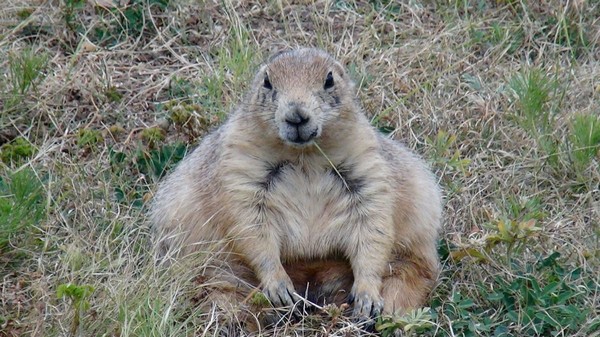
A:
309	209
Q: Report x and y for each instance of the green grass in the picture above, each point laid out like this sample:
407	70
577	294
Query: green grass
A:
24	72
99	102
585	140
22	207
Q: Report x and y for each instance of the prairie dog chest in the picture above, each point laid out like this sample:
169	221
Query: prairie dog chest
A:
310	205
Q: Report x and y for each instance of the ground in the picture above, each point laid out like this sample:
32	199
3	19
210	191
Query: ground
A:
99	98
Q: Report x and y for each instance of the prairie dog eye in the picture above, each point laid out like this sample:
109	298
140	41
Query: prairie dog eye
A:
328	81
267	83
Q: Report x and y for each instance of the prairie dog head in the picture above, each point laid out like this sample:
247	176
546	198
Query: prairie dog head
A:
300	94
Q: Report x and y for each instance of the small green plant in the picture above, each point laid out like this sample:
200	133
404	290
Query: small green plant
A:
544	297
259	300
119	20
544	300
180	89
180	115
19	149
189	119
585	140
88	137
22	206
156	162
115	130
533	90
113	94
513	231
497	36
514	234
467	317
25	68
153	136
414	321
25	13
79	296
443	154
150	162
524	208
135	15
71	7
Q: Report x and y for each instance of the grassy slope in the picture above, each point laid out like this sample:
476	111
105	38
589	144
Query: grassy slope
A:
501	97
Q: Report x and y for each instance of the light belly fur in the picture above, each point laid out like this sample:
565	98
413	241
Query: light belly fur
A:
309	211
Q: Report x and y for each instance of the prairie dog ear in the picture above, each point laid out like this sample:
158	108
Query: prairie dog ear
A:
260	74
339	69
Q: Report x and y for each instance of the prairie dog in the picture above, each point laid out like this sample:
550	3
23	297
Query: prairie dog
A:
297	174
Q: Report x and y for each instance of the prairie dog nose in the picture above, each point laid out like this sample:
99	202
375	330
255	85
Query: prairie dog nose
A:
296	117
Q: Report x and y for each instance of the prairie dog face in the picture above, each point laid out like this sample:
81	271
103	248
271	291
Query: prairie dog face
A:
300	94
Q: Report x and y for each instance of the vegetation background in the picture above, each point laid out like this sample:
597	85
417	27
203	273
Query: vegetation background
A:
99	98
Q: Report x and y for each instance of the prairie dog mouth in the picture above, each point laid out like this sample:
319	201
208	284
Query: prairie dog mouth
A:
299	135
298	127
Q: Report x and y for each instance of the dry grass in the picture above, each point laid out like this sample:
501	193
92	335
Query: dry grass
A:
92	94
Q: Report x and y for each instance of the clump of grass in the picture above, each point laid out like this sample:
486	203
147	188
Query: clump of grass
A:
577	145
17	150
88	138
444	152
153	135
156	162
563	29
25	69
70	11
149	163
22	207
189	119
447	157
585	140
533	89
497	36
233	60
115	130
112	94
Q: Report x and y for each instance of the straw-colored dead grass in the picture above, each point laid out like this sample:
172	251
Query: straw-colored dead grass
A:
436	74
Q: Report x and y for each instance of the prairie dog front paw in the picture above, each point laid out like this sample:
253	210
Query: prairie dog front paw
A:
280	292
368	303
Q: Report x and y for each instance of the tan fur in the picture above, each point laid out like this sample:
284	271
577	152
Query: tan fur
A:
277	207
